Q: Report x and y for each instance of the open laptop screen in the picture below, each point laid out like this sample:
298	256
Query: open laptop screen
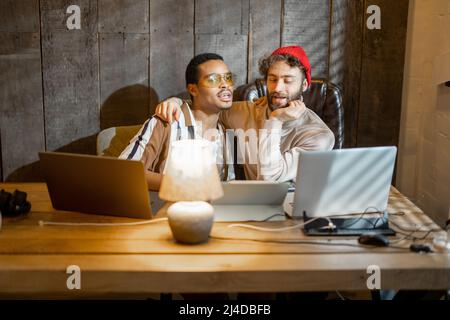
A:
343	181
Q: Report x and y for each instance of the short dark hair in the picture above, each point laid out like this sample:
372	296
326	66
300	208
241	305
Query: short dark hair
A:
266	63
192	68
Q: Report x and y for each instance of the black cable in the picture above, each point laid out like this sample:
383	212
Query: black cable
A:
411	232
286	241
361	217
273	216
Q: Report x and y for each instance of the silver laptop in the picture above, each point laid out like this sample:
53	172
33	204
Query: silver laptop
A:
251	201
98	185
345	181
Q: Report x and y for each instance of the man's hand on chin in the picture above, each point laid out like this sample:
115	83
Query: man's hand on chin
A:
293	111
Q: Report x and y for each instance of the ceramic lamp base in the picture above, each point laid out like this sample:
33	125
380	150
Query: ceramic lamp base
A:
441	242
191	221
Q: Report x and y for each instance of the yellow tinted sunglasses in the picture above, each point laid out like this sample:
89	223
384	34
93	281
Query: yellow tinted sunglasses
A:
214	80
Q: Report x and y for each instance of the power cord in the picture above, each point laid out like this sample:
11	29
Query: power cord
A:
99	224
361	218
330	226
310	242
341	296
298	225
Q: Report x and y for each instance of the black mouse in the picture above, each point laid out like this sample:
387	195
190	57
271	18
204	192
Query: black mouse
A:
373	239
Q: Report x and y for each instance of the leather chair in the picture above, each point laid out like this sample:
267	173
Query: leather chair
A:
112	141
324	98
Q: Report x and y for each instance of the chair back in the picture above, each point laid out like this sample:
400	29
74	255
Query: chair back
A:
112	141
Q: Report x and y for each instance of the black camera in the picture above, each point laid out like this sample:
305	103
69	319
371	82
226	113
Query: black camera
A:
14	204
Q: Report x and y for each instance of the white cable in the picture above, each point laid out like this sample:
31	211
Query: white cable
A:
249	226
49	223
330	226
340	295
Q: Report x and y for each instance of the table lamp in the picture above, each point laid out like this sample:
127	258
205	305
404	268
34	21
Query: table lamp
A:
190	179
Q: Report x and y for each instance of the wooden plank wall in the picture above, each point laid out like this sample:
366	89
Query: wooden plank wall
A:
124	42
308	23
70	76
21	97
383	55
60	87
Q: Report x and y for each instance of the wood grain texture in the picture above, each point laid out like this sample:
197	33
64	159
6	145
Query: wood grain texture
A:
126	16
21	101
241	30
306	23
54	16
221	17
265	34
1	158
125	85
70	73
34	258
171	47
19	16
232	48
338	66
383	56
355	24
138	275
347	23
21	105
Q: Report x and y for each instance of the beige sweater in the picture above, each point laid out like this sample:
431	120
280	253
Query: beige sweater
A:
269	148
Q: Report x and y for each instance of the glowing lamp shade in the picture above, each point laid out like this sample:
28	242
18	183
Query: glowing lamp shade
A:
190	178
190	173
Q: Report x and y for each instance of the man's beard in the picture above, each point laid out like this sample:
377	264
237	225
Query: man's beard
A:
273	107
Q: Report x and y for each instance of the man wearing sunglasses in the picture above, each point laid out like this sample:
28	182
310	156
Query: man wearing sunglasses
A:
282	123
210	85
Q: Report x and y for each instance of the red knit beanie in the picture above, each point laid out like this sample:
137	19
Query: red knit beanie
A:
298	53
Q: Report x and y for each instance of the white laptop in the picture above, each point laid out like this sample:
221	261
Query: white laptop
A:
344	181
251	201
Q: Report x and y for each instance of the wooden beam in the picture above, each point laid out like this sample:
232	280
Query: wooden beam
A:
265	33
21	103
306	23
171	47
233	48
345	59
19	16
70	73
382	76
124	16
221	17
124	79
221	26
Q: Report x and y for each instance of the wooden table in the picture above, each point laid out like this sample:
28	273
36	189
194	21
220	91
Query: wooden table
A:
136	261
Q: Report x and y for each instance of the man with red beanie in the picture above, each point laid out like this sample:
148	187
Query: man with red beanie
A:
291	126
285	125
289	66
272	131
